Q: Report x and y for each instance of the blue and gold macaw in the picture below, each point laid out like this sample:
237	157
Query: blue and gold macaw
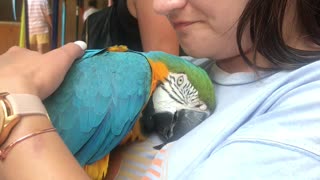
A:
117	95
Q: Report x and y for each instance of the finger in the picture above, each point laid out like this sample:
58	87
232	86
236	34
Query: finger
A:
63	57
55	65
16	51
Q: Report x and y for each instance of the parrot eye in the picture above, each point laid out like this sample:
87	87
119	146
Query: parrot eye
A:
180	81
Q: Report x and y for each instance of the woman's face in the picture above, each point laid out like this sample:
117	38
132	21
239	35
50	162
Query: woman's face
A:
206	28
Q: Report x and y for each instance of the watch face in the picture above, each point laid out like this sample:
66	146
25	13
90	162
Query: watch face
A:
2	117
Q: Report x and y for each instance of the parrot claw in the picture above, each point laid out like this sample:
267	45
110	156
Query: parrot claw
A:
120	48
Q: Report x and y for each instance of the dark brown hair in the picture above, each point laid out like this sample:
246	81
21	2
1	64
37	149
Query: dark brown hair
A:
265	19
92	3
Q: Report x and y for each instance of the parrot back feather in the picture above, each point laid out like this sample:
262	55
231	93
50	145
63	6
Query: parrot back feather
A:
99	102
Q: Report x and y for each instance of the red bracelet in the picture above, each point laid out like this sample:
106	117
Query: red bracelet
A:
4	152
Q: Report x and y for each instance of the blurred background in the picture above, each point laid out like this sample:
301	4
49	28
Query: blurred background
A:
10	28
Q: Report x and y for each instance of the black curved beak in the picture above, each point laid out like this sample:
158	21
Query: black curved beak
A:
163	124
171	127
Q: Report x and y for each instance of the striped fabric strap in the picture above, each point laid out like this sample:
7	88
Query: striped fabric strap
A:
158	170
131	161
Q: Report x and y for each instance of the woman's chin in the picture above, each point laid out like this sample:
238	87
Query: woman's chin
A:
195	52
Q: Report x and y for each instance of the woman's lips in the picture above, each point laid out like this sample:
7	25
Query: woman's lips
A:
181	24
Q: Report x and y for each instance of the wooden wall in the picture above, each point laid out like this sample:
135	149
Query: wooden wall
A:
9	35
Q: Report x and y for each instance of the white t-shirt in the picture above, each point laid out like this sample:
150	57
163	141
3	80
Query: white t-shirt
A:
37	12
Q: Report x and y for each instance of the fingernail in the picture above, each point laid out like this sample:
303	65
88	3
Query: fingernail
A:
81	44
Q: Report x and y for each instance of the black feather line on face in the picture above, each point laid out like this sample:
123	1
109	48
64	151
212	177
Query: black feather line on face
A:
176	88
170	95
190	93
181	99
185	86
181	94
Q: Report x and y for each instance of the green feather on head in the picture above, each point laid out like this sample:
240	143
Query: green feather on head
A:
197	76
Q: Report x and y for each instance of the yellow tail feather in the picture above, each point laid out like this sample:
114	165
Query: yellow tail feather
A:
134	135
99	169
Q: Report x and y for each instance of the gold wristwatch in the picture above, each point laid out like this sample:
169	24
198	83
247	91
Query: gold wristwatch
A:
13	107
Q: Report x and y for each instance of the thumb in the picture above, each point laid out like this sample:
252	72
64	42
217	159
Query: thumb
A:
63	57
55	65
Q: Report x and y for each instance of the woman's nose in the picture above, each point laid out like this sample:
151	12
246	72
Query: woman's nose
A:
164	7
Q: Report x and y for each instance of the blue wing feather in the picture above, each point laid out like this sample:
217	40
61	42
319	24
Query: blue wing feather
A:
99	102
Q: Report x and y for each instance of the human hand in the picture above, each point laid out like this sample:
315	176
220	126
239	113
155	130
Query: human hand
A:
29	72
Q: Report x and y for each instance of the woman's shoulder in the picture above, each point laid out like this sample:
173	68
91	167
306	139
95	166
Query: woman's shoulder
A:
311	68
308	75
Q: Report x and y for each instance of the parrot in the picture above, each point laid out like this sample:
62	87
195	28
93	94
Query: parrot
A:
115	95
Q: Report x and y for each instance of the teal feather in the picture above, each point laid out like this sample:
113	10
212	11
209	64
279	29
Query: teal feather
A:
99	102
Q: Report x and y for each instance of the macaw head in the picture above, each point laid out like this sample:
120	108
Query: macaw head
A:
182	98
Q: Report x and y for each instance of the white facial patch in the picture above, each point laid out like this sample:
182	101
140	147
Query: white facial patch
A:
175	94
163	102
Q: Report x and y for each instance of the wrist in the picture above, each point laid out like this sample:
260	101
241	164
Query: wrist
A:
17	86
17	107
28	124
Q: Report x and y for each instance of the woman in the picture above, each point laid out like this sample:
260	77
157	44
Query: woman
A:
266	76
266	72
